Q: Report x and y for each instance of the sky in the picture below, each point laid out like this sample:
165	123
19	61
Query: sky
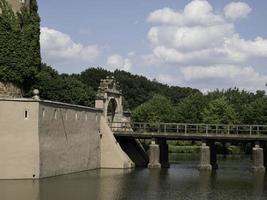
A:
208	45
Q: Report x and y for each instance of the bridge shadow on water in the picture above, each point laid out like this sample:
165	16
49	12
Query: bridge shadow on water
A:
233	180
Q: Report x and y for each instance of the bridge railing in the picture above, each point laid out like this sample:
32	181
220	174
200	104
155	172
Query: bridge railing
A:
182	128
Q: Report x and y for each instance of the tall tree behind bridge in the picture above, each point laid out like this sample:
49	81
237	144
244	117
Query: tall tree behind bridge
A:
19	45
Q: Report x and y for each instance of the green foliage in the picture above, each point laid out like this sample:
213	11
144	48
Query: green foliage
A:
92	76
233	149
219	111
64	88
239	99
19	45
158	109
256	112
183	149
136	89
225	106
189	110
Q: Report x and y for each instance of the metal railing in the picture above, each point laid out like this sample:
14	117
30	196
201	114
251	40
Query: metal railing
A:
182	128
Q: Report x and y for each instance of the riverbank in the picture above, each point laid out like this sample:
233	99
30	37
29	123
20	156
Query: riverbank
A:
194	149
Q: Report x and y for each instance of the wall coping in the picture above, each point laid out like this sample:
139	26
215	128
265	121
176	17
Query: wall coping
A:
53	103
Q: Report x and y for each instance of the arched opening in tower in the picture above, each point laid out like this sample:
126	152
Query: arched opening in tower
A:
111	112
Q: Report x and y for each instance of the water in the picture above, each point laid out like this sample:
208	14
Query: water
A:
233	180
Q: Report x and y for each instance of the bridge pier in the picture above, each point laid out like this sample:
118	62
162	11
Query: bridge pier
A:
213	155
205	158
258	159
164	152
154	156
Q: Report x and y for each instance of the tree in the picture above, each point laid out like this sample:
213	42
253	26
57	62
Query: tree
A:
256	112
92	76
158	109
219	111
189	110
75	92
65	88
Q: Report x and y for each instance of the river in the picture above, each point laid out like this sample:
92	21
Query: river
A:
232	181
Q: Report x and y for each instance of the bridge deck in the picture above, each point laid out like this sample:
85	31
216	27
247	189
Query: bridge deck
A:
178	131
195	137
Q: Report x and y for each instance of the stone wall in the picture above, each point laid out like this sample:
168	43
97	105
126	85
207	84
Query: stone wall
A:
42	138
17	4
9	90
69	139
19	146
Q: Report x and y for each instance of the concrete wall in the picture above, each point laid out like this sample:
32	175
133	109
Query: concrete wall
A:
112	156
69	139
19	146
44	138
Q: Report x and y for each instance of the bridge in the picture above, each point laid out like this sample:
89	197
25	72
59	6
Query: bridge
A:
208	134
128	134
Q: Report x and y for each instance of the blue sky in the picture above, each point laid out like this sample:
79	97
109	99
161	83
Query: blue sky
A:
201	44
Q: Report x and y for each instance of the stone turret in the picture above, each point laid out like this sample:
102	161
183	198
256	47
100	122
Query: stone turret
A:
108	85
16	5
109	93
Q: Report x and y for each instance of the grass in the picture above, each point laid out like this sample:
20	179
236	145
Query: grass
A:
183	149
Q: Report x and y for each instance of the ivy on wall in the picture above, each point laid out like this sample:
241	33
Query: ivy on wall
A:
20	58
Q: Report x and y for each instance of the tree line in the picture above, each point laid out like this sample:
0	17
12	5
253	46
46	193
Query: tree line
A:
151	101
232	106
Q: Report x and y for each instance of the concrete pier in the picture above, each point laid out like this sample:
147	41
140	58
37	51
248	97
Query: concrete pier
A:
258	159
154	156
164	153
213	155
205	158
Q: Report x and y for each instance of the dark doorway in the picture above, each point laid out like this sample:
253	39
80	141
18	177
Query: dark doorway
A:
112	106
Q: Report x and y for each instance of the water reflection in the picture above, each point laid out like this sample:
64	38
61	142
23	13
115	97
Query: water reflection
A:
19	189
233	180
258	184
204	184
112	183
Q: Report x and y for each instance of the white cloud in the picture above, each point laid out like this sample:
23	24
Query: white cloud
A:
165	15
247	48
235	10
58	48
197	12
187	38
170	79
131	53
240	76
198	36
118	62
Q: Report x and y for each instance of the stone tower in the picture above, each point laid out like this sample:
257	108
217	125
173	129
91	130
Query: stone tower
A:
17	4
10	89
109	98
